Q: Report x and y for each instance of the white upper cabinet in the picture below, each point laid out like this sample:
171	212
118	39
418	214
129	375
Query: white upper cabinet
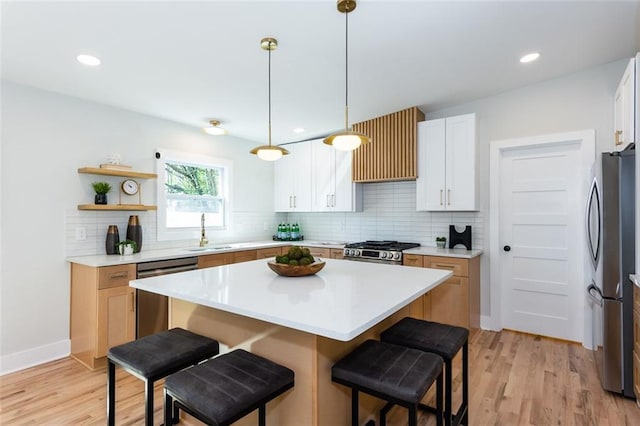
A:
624	108
447	164
333	189
292	180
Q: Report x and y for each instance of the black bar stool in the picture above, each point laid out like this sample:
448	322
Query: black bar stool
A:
227	388
397	374
154	357
444	340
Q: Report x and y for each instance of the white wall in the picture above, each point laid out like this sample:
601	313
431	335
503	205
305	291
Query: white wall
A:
45	138
575	102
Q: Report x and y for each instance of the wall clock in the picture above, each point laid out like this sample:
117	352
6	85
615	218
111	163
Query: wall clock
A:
130	187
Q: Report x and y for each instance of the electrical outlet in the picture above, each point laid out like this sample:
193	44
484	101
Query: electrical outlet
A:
81	233
265	226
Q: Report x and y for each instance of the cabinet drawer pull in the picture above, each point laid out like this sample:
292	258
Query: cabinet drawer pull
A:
327	200
133	302
123	274
441	197
448	196
443	266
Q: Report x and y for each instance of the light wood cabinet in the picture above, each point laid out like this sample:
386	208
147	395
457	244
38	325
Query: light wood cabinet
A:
333	189
266	253
457	300
219	259
337	254
391	155
447	173
624	108
102	311
292	179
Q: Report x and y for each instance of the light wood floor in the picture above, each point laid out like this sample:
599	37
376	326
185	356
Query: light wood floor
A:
515	379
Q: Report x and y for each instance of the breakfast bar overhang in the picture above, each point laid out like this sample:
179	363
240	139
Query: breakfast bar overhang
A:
304	323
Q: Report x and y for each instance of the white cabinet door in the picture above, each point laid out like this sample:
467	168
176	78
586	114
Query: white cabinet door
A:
447	164
323	166
460	164
624	108
430	184
292	179
348	195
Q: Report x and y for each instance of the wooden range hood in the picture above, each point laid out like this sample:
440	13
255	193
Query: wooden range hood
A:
392	153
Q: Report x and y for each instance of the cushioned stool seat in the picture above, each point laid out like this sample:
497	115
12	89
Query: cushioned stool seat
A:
154	357
444	340
227	388
397	374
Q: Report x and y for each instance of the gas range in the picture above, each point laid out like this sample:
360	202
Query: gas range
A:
377	251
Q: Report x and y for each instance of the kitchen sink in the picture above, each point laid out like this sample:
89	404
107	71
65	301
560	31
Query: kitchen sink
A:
207	248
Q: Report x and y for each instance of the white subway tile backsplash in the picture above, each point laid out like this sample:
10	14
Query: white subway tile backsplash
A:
389	212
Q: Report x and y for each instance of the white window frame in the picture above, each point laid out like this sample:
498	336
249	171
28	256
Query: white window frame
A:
193	159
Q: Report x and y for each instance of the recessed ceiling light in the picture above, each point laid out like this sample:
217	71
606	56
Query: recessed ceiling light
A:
89	60
298	130
530	57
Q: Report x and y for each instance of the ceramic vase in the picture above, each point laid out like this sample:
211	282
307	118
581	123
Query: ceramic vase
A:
100	199
134	231
112	240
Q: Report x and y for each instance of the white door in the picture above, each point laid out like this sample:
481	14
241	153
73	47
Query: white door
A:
541	213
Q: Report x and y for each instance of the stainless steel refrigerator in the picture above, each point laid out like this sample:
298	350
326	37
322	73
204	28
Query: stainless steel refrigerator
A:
613	299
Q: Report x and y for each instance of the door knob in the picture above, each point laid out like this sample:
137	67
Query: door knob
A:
507	248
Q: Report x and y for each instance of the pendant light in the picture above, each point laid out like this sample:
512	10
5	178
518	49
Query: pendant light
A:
346	140
269	152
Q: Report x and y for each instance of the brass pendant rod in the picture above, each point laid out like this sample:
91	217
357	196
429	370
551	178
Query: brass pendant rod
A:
269	50
346	68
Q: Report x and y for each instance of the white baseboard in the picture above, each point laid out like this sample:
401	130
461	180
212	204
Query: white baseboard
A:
34	356
486	323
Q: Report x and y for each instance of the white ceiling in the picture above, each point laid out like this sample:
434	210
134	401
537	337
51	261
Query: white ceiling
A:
194	61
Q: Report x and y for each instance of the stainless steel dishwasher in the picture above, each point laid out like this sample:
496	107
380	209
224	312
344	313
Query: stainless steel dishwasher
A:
153	309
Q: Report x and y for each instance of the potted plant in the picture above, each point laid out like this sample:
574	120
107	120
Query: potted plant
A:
440	242
127	247
101	189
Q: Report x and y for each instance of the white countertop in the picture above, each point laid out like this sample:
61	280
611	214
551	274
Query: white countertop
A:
340	302
446	252
176	253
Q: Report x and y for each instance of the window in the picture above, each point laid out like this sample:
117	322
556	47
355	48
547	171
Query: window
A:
188	186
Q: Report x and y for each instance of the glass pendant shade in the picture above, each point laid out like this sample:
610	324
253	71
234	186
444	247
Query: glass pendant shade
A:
214	129
269	152
347	140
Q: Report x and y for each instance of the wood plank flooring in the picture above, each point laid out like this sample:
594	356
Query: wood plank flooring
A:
515	379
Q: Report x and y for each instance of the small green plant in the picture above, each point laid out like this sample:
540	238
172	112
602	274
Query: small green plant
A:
443	239
124	243
101	188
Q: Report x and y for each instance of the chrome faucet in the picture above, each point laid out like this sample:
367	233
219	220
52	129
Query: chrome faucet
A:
203	237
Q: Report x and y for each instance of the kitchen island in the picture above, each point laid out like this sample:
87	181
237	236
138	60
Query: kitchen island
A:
304	323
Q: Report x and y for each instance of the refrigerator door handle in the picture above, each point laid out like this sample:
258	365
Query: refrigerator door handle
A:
595	294
594	241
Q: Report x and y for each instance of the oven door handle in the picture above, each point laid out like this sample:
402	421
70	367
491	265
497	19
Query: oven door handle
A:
595	294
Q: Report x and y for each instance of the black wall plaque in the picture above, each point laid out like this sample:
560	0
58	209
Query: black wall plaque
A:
463	237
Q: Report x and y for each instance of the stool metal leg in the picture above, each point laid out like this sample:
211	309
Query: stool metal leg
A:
262	415
168	409
354	407
439	400
148	404
465	382
413	415
448	394
111	394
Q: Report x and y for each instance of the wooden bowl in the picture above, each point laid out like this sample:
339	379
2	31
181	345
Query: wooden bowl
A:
295	271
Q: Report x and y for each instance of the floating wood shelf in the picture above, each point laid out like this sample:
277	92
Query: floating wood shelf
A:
121	207
117	172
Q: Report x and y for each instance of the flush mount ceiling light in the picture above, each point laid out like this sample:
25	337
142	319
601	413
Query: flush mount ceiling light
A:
298	130
214	129
269	152
530	57
346	140
88	60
